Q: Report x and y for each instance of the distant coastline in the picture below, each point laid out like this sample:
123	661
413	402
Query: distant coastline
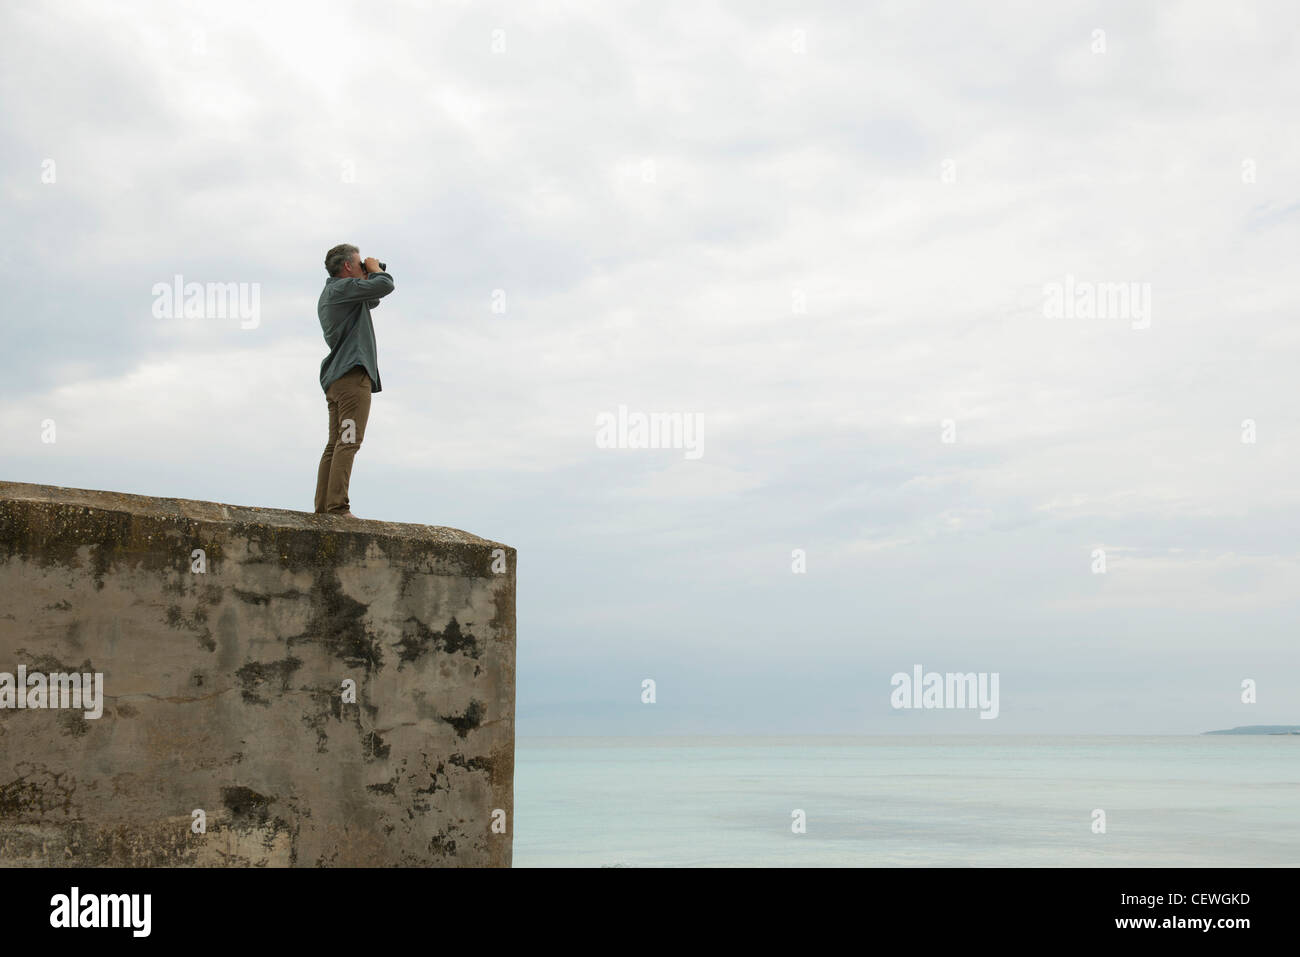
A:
1260	729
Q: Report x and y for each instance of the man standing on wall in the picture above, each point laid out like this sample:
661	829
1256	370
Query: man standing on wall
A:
350	373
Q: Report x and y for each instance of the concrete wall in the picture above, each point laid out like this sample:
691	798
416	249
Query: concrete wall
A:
224	689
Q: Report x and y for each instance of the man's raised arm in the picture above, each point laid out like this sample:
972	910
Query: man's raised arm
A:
371	289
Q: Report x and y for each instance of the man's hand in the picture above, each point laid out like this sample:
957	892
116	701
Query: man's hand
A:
371	264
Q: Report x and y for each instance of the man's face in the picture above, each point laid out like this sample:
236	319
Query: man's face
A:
354	267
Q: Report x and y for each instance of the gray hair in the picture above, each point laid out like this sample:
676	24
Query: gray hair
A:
337	257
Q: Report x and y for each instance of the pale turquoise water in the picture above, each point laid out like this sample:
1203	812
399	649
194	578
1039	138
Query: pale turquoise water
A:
908	801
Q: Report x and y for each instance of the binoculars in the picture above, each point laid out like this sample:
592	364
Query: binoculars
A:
383	267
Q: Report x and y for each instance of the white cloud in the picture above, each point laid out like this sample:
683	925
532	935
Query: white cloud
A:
778	178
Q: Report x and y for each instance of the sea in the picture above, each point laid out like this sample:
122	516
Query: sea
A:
908	801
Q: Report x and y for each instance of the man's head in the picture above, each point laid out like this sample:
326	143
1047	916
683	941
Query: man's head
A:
344	260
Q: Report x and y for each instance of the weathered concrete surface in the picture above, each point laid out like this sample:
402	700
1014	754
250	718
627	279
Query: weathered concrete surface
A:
224	690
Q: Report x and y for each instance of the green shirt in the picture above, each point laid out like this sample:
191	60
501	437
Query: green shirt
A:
344	313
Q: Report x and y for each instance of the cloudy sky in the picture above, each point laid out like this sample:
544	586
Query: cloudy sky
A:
828	230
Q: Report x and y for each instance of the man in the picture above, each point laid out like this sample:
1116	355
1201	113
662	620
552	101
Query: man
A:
350	373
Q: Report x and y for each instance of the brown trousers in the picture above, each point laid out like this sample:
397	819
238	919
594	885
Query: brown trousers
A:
348	398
